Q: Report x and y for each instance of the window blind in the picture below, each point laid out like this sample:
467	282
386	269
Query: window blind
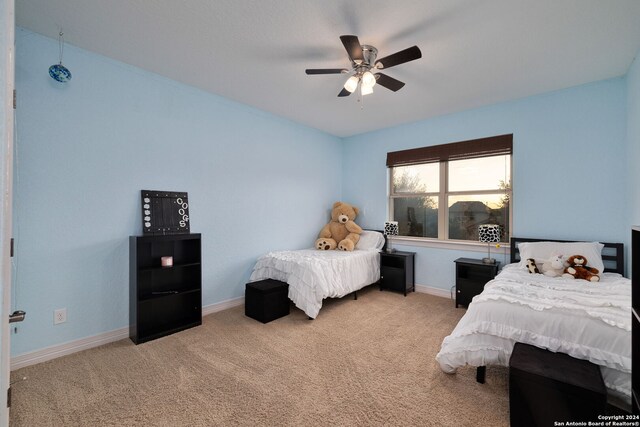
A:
482	147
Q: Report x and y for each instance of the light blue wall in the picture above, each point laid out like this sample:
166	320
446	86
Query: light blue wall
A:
87	148
633	138
569	166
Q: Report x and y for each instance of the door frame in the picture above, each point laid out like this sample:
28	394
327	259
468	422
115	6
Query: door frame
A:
7	80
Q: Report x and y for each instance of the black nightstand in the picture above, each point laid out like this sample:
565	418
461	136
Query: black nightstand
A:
471	276
397	271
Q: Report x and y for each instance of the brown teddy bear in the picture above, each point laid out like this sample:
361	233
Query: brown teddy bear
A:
341	232
578	269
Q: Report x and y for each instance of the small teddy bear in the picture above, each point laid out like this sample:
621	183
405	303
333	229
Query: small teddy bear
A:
578	269
532	267
554	266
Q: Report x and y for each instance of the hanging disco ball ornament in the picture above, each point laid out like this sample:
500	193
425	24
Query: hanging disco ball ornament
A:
59	72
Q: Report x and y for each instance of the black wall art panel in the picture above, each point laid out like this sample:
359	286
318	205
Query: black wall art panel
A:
165	212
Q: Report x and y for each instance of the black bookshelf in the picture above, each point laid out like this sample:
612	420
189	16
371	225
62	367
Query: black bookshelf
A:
164	300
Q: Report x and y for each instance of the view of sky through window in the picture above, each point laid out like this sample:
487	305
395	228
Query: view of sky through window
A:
477	191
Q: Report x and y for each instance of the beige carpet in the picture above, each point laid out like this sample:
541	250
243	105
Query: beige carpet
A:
365	362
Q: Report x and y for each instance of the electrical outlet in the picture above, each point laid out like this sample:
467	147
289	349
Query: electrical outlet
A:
59	316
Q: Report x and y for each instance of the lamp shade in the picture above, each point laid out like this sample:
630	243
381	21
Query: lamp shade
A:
368	79
391	228
489	233
366	90
351	84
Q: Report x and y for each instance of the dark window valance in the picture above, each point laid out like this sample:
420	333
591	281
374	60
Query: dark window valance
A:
483	147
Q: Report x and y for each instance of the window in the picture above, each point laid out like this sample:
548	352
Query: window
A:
444	192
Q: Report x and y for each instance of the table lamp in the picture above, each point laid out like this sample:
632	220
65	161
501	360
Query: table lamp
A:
390	229
489	233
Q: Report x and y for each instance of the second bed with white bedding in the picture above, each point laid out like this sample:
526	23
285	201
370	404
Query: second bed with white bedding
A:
586	320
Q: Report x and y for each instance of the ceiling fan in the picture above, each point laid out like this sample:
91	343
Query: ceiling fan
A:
364	63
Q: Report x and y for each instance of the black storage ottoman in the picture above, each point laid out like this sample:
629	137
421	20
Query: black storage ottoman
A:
266	300
545	387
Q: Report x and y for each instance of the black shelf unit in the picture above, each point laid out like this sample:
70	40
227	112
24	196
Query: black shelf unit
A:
635	319
471	276
397	271
164	300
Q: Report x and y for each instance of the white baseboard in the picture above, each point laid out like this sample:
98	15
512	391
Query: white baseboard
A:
55	351
443	293
223	305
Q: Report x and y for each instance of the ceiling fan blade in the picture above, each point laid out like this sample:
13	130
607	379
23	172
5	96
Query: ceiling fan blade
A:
353	47
311	71
401	57
344	92
389	82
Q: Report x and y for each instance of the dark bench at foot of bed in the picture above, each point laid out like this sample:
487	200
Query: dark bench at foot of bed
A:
545	387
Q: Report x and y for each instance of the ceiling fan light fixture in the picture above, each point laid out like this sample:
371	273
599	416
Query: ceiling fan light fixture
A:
365	67
351	84
368	79
366	90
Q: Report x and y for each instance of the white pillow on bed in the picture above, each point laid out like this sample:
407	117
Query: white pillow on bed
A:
371	240
541	251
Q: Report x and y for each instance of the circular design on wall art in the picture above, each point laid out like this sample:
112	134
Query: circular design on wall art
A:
179	200
147	218
146	206
147	212
181	211
147	200
147	224
185	206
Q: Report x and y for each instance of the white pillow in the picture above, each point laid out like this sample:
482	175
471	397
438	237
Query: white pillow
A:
371	240
541	251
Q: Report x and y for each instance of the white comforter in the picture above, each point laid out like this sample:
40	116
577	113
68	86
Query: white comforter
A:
314	275
586	320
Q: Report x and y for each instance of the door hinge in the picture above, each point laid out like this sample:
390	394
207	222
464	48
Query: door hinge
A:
15	99
9	397
11	249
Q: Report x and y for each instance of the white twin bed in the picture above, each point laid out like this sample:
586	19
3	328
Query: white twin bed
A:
586	320
314	275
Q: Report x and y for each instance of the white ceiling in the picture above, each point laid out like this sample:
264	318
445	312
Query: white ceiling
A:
255	51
